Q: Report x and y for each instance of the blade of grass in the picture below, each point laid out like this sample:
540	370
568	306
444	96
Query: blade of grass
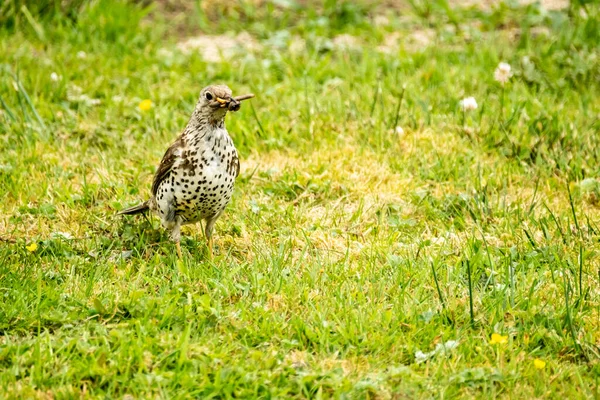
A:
470	293
562	235
260	127
400	98
567	288
307	103
573	210
7	109
377	90
437	286
31	106
535	190
580	259
530	239
39	31
26	116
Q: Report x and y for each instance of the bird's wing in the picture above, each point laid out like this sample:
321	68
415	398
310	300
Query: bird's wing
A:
166	164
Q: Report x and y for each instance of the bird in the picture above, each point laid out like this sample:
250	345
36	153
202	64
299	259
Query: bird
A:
195	179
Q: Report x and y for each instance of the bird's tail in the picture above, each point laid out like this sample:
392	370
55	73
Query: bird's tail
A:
140	208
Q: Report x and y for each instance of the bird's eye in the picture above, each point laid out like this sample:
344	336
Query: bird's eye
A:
208	96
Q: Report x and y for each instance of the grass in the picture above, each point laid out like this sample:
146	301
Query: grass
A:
353	257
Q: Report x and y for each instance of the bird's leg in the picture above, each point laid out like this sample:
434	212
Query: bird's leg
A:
210	248
208	230
176	236
178	245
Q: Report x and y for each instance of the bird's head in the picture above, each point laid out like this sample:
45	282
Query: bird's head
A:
216	100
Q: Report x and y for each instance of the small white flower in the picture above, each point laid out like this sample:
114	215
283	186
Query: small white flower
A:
165	53
443	348
81	54
62	235
589	185
438	240
297	45
421	357
54	76
468	104
399	130
449	345
83	98
503	73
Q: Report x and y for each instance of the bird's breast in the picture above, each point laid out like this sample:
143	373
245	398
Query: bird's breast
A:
203	179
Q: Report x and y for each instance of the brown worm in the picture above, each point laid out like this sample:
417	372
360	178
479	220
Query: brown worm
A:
244	97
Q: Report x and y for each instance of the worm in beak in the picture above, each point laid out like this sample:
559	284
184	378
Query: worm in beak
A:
234	103
244	97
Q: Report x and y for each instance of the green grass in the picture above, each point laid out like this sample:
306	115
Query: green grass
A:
350	253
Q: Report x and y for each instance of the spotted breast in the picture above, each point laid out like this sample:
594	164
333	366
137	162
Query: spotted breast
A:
200	183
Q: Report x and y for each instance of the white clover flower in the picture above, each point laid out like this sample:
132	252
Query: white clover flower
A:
468	104
421	357
440	348
62	235
54	76
399	130
503	73
81	54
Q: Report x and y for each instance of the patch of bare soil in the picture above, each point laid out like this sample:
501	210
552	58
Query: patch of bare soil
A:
486	4
214	48
547	4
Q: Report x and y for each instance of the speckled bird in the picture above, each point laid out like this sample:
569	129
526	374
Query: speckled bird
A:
194	181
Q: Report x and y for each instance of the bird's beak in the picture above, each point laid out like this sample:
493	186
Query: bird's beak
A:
233	103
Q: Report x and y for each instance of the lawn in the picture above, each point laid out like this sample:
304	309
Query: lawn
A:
382	241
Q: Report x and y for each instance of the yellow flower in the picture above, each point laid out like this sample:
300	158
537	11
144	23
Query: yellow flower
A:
539	364
498	339
32	247
145	105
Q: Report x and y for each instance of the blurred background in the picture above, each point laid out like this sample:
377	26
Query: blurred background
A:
117	53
